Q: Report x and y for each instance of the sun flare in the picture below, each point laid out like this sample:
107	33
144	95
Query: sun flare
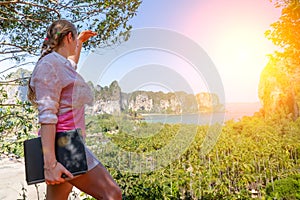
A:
234	38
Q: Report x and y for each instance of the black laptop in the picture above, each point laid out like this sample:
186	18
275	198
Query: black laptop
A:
69	150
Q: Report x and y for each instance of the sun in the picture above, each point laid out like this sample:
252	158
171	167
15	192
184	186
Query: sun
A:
243	55
243	49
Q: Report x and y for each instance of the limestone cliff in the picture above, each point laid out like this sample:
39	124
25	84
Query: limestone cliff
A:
107	99
111	100
208	102
279	90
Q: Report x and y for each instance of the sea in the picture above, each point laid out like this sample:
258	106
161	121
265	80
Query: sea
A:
233	111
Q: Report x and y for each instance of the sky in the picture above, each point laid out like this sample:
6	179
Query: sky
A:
231	32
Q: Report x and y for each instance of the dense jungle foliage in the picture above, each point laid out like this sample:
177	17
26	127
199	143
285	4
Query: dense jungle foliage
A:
253	158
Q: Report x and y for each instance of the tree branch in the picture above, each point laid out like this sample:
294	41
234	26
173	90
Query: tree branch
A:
16	49
45	7
8	2
15	80
11	51
7	58
14	56
9	104
20	20
82	6
19	65
14	11
12	114
31	4
12	45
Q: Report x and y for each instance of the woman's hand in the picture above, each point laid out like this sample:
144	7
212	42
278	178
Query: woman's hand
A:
53	175
82	37
85	35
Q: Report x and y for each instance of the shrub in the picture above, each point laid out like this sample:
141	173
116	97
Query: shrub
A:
287	188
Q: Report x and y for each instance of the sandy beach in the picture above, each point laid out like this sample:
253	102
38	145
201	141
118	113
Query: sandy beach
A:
12	173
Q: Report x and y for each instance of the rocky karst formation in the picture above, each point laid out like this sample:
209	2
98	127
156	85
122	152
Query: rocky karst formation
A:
111	100
279	90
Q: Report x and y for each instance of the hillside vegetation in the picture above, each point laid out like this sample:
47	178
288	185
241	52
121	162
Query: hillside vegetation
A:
250	155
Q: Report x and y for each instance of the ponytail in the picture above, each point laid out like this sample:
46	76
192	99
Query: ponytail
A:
55	35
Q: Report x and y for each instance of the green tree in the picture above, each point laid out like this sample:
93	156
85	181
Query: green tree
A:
17	117
287	188
285	34
23	23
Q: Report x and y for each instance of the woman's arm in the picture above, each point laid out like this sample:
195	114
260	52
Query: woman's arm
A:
82	37
48	138
53	170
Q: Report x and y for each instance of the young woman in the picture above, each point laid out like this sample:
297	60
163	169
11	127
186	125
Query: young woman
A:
60	94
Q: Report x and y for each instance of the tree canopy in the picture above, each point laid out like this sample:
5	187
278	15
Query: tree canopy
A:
24	22
285	34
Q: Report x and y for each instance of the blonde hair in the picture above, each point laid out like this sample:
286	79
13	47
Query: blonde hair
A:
55	35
